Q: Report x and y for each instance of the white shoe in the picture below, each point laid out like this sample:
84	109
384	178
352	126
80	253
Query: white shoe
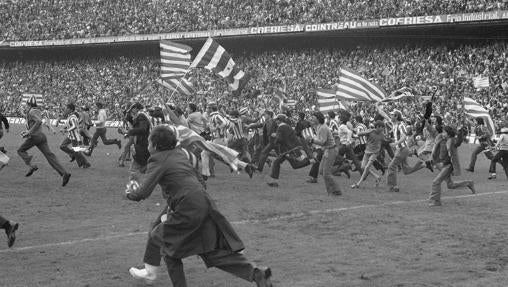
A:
147	274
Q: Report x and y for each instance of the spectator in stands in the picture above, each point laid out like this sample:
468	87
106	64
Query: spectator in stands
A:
42	20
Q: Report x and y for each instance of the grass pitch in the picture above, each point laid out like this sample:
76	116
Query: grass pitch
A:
86	234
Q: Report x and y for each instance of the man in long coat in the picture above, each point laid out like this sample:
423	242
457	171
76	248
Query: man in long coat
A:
190	224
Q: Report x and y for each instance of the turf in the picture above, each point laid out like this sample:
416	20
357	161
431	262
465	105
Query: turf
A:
87	234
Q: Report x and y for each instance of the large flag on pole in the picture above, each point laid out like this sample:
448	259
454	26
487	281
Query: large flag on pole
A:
327	101
353	87
473	109
215	58
181	86
175	59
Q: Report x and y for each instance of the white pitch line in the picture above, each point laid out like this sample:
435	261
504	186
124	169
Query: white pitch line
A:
251	221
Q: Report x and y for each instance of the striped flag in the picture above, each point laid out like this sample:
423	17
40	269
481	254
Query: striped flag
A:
186	137
175	59
215	58
181	86
473	109
402	93
481	82
38	98
327	101
353	87
291	103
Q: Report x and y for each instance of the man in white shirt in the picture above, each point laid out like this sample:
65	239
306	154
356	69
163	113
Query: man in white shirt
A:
100	131
345	139
196	121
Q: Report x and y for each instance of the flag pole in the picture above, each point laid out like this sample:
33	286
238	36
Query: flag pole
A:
178	85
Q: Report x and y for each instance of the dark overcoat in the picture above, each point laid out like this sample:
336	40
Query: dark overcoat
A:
194	225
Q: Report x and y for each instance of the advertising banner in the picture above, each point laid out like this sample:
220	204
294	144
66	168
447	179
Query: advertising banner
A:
277	29
342	25
22	121
132	38
449	18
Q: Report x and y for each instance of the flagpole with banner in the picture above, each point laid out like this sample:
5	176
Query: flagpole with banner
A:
179	85
175	66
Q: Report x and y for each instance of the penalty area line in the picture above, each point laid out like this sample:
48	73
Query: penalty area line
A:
250	221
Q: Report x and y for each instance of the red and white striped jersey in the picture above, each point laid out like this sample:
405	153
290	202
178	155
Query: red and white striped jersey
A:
334	127
360	128
236	128
72	127
218	124
308	133
400	130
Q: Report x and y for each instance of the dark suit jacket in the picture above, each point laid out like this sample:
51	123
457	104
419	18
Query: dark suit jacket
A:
4	121
194	224
141	130
300	126
286	138
269	128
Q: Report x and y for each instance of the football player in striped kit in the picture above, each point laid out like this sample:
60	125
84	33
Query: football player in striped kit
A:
73	137
35	137
360	141
401	152
238	140
218	124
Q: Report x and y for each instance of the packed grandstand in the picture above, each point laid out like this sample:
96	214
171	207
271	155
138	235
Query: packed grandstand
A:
118	80
42	20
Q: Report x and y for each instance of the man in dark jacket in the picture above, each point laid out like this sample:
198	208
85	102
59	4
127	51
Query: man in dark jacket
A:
190	224
446	157
35	137
6	124
140	130
291	148
269	128
301	124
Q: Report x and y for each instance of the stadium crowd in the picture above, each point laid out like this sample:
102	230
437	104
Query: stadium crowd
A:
23	20
118	81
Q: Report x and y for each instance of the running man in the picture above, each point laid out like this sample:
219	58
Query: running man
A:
35	137
100	131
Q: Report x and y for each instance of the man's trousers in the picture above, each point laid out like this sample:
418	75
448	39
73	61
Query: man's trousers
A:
445	175
232	262
40	141
400	159
80	158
